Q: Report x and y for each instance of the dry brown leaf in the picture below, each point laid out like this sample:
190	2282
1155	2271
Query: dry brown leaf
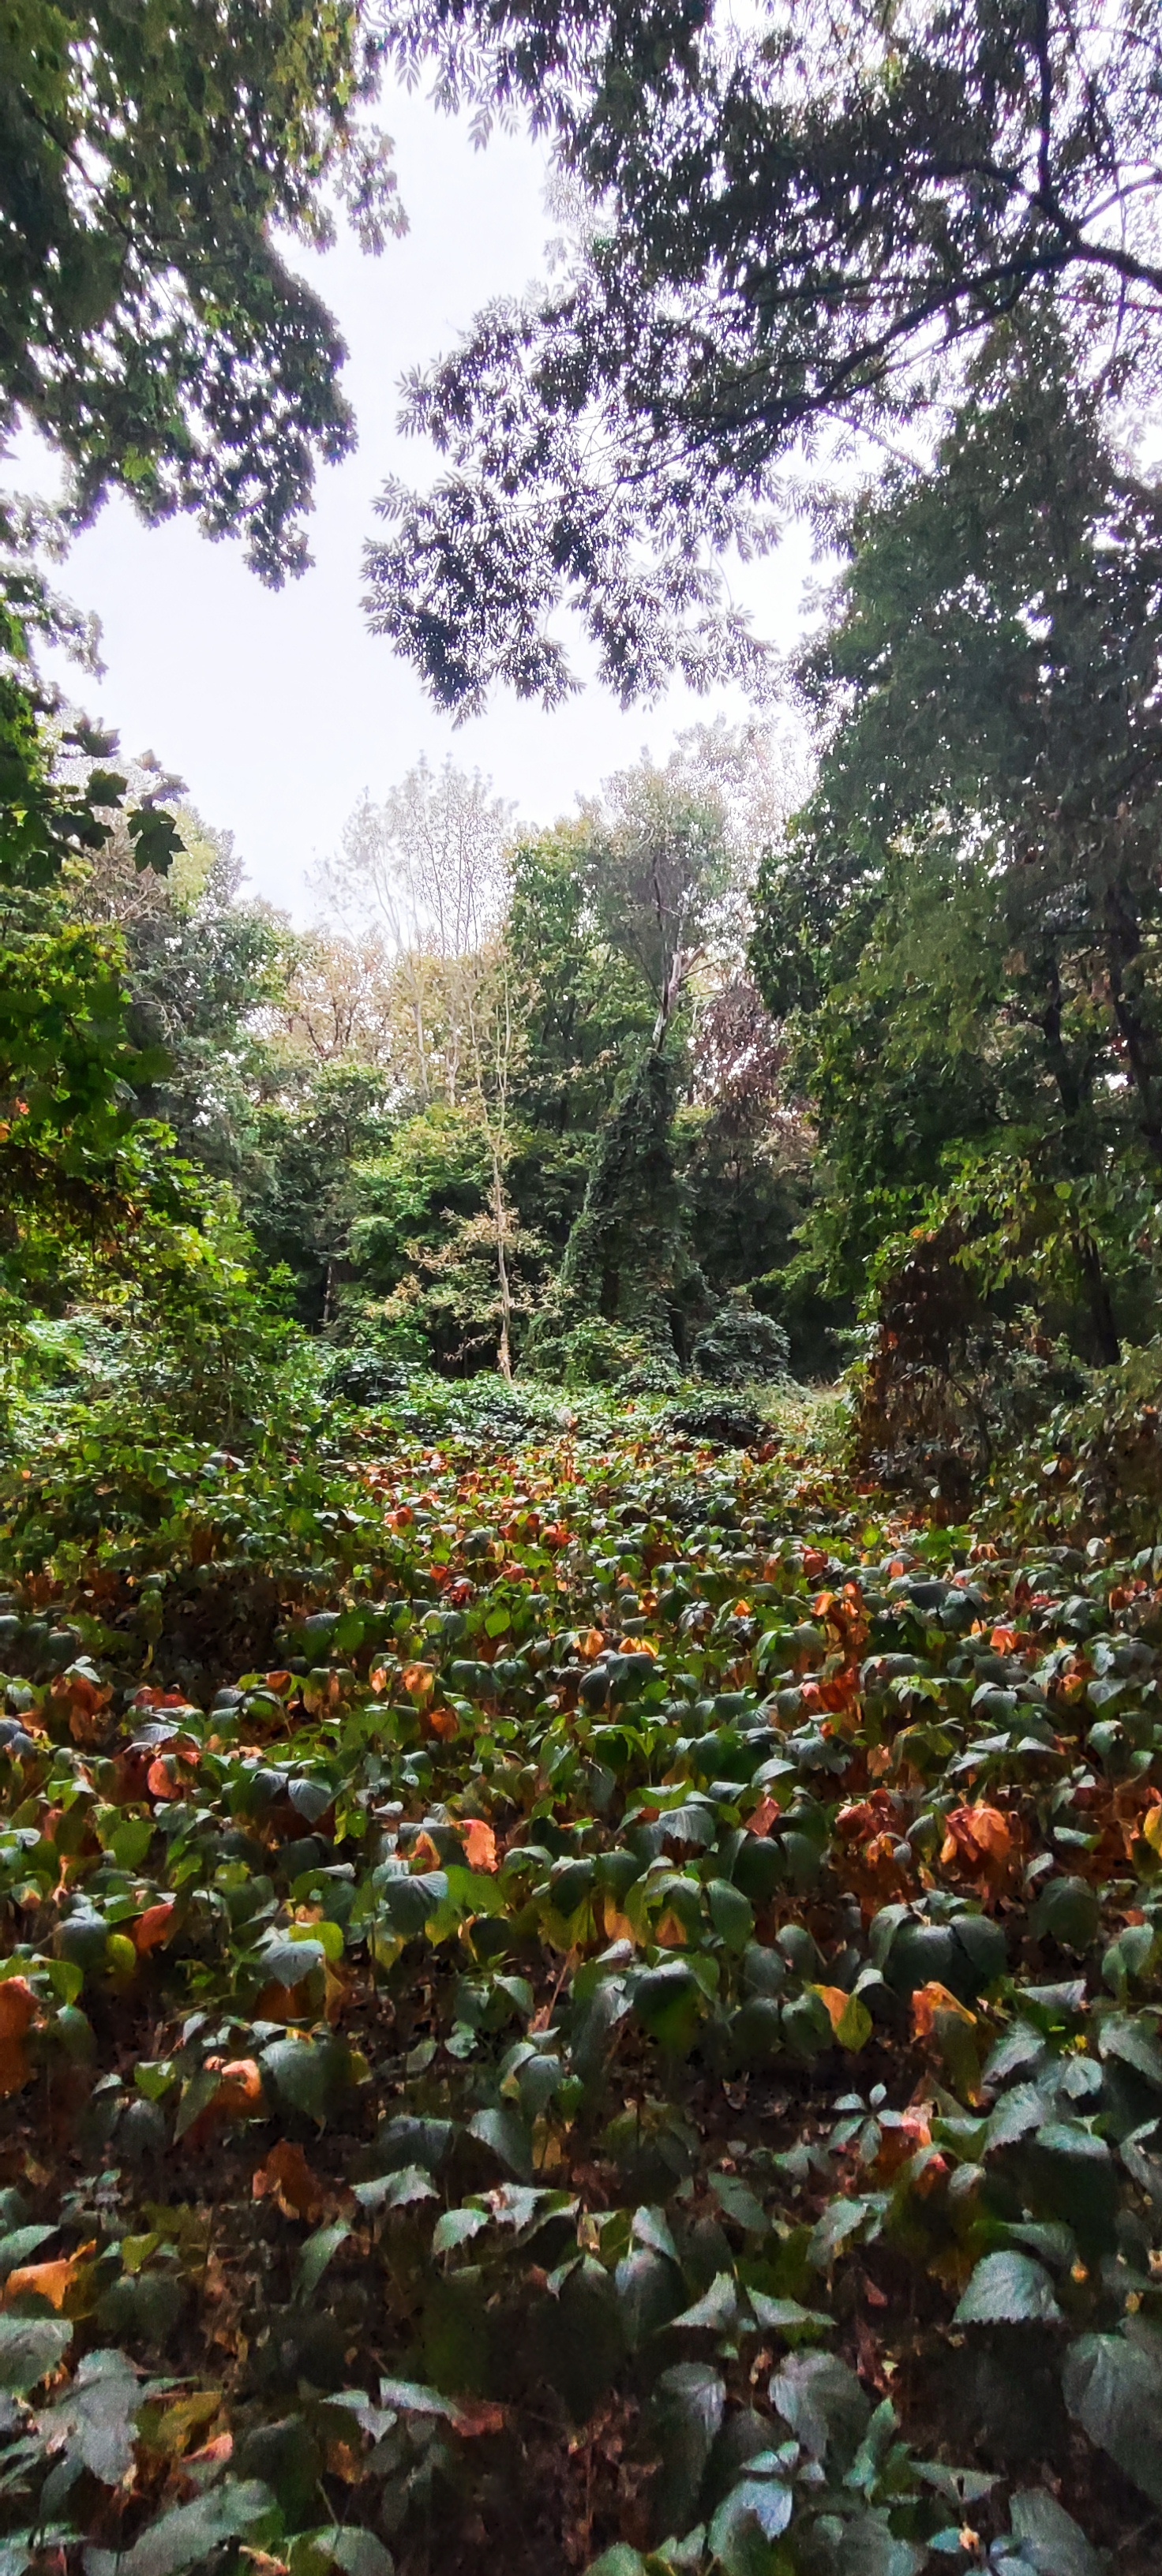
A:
288	2177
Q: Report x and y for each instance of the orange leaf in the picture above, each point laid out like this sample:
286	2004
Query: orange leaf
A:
155	1926
288	2177
478	2415
932	1999
240	2091
765	1815
283	2003
15	2067
982	1833
590	1644
219	2449
617	1926
17	2007
480	1844
51	2281
444	1723
419	1681
17	2013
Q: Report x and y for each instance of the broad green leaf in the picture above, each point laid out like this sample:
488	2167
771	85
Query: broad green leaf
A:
1009	2289
190	2532
755	2512
1114	2388
315	2255
31	2347
1050	2538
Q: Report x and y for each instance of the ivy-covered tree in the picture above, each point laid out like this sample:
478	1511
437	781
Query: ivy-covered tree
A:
629	1288
965	914
584	1014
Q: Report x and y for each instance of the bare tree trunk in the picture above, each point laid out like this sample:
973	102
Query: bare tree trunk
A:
500	1220
1123	947
492	1102
1086	1254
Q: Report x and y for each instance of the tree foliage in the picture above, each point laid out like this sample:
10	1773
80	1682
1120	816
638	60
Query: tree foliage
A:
152	327
788	228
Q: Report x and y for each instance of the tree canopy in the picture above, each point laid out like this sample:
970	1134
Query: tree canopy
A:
790	227
151	326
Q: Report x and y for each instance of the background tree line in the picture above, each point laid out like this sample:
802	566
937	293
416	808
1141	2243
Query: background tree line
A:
889	1063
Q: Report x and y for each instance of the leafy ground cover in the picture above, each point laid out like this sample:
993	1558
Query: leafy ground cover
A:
627	2033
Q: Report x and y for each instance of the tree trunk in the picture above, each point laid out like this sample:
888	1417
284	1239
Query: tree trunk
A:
1123	945
1088	1258
500	1220
1098	1298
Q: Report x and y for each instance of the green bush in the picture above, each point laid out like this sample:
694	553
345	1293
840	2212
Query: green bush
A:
740	1347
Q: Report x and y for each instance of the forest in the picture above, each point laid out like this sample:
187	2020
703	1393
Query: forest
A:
581	1430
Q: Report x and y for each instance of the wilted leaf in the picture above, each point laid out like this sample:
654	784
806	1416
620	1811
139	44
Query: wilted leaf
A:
848	2015
288	2176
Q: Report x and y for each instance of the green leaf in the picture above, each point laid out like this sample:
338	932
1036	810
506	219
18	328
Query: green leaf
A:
456	2227
652	2227
787	2318
95	2419
731	1913
1009	2289
285	1962
505	2134
669	2002
822	2402
357	2552
303	2076
649	2294
1114	2388
1050	2539
755	2512
1133	2040
738	2201
314	2257
31	2347
1069	1912
396	2190
716	2310
190	2533
21	2245
685	2414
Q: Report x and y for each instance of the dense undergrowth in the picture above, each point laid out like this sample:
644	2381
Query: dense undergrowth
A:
572	1993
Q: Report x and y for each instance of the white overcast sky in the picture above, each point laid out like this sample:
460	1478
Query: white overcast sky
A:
277	708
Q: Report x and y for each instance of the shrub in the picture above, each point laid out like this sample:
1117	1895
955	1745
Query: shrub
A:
739	1346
